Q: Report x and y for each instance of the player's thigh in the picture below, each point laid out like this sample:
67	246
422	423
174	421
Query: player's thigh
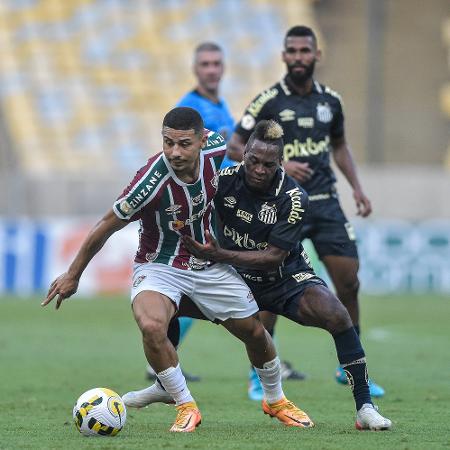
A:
283	296
156	292
153	309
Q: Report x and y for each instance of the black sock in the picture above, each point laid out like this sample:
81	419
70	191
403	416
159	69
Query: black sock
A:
352	359
173	332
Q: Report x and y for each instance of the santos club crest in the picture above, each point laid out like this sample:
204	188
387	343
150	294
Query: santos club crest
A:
268	214
324	113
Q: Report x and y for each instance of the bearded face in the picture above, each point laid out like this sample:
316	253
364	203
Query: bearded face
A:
300	56
300	72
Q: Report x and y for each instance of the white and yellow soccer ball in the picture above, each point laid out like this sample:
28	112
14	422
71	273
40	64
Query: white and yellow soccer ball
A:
99	412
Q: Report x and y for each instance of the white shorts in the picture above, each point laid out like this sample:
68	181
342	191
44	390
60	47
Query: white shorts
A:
218	291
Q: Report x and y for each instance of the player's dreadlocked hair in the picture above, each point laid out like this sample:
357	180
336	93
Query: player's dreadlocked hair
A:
269	132
184	118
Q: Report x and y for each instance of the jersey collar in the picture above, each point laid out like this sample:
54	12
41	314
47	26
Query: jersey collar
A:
287	89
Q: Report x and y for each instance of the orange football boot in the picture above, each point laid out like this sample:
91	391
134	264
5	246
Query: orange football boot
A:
188	418
289	414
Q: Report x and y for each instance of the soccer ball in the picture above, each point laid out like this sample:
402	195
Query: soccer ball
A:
99	412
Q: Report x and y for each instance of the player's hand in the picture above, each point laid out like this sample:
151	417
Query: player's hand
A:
299	171
208	251
363	205
63	287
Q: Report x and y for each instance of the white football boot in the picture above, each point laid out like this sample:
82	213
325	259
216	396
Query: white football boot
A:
368	418
153	394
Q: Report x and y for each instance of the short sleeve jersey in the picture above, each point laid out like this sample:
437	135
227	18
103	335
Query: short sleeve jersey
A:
252	221
309	122
216	116
168	208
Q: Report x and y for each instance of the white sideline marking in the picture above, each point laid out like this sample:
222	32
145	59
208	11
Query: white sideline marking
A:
379	334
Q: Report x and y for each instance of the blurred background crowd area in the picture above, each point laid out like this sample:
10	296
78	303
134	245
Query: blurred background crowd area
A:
84	85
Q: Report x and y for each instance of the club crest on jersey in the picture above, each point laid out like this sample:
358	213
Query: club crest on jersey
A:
151	256
196	263
173	209
268	214
139	280
197	199
324	113
229	202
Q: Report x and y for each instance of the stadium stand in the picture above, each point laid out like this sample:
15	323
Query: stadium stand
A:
84	84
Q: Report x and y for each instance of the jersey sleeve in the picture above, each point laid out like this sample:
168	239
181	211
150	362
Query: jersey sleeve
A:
286	232
147	182
258	109
122	207
337	125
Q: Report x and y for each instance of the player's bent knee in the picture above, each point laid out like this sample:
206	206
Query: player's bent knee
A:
259	332
248	330
153	330
339	321
348	288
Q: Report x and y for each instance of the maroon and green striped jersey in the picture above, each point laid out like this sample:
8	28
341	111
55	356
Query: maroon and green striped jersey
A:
169	208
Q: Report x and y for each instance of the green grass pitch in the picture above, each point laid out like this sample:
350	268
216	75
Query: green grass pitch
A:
48	358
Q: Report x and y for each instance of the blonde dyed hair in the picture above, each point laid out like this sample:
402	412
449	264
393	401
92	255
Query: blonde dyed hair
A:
269	132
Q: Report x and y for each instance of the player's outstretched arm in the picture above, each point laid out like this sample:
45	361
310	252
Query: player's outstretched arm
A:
344	160
269	259
67	284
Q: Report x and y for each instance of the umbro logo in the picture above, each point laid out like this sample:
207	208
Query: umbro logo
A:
173	209
287	115
229	202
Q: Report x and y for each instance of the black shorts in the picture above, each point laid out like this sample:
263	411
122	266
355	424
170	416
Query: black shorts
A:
328	228
283	296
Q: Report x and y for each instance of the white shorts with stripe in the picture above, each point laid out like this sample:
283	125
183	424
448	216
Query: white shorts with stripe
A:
218	291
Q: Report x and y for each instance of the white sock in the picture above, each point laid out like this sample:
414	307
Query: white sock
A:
175	384
270	376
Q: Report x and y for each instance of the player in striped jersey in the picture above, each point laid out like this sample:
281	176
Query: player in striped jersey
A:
172	197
